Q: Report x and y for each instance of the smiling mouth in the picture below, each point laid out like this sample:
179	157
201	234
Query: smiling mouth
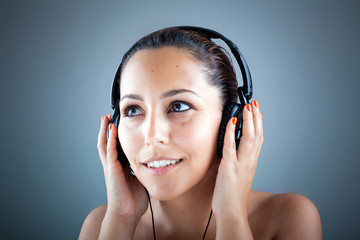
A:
162	163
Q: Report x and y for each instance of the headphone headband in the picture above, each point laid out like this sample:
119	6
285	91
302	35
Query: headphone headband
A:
244	92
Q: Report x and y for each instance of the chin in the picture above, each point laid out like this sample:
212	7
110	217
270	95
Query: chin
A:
163	193
162	197
179	182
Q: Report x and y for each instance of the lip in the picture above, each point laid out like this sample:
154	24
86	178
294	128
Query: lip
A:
159	159
161	170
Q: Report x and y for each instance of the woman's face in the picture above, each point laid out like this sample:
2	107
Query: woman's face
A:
170	118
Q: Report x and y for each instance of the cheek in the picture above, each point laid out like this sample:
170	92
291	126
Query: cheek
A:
195	136
198	136
129	141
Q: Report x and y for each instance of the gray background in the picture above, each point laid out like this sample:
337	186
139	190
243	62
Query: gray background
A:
58	59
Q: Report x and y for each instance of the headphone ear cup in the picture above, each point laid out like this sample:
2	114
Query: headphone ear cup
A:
230	111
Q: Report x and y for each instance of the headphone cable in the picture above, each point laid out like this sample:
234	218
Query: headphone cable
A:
152	218
207	225
152	214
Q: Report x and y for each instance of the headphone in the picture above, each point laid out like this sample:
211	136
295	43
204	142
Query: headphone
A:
231	110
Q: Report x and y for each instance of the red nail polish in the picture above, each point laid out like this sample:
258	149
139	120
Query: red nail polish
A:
102	118
256	103
248	107
110	126
234	120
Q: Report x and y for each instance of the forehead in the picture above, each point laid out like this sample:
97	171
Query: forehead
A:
165	68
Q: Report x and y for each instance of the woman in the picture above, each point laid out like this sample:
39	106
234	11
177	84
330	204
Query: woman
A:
174	85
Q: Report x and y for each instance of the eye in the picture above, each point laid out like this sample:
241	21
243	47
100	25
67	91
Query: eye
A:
179	106
131	111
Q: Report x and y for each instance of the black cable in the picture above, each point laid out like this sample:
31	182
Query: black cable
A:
207	224
152	218
152	215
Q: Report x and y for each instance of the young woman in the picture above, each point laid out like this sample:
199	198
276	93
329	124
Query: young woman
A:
173	87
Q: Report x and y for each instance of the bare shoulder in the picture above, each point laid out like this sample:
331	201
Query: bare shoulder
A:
92	224
298	217
285	216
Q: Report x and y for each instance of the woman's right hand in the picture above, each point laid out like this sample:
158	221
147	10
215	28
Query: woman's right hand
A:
126	196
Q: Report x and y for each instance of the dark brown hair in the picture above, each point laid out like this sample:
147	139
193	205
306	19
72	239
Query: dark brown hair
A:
214	58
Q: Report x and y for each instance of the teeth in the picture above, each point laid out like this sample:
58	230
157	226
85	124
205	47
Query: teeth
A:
162	163
156	164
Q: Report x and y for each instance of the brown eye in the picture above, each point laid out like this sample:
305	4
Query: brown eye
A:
132	111
179	107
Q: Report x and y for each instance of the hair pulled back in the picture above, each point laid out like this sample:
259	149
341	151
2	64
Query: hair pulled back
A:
214	58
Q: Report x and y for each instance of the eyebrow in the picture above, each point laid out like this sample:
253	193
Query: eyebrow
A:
166	94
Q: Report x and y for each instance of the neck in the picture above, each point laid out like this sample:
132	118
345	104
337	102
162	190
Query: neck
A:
180	215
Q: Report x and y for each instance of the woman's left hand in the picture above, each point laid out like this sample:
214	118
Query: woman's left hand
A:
237	167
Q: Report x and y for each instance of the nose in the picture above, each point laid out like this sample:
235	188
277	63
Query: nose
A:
156	130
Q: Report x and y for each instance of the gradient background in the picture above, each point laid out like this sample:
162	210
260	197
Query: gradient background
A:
58	59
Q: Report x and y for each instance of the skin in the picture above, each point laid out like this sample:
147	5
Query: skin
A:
184	125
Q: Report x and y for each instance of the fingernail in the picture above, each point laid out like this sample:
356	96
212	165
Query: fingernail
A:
256	103
261	116
102	118
234	120
248	107
110	126
109	116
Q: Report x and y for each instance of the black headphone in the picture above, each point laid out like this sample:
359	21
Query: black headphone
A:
231	110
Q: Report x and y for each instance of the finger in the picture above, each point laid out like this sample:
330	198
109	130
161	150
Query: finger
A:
112	154
258	124
229	149
247	141
101	144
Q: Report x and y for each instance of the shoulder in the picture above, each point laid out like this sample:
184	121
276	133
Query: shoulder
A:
298	217
92	224
292	215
